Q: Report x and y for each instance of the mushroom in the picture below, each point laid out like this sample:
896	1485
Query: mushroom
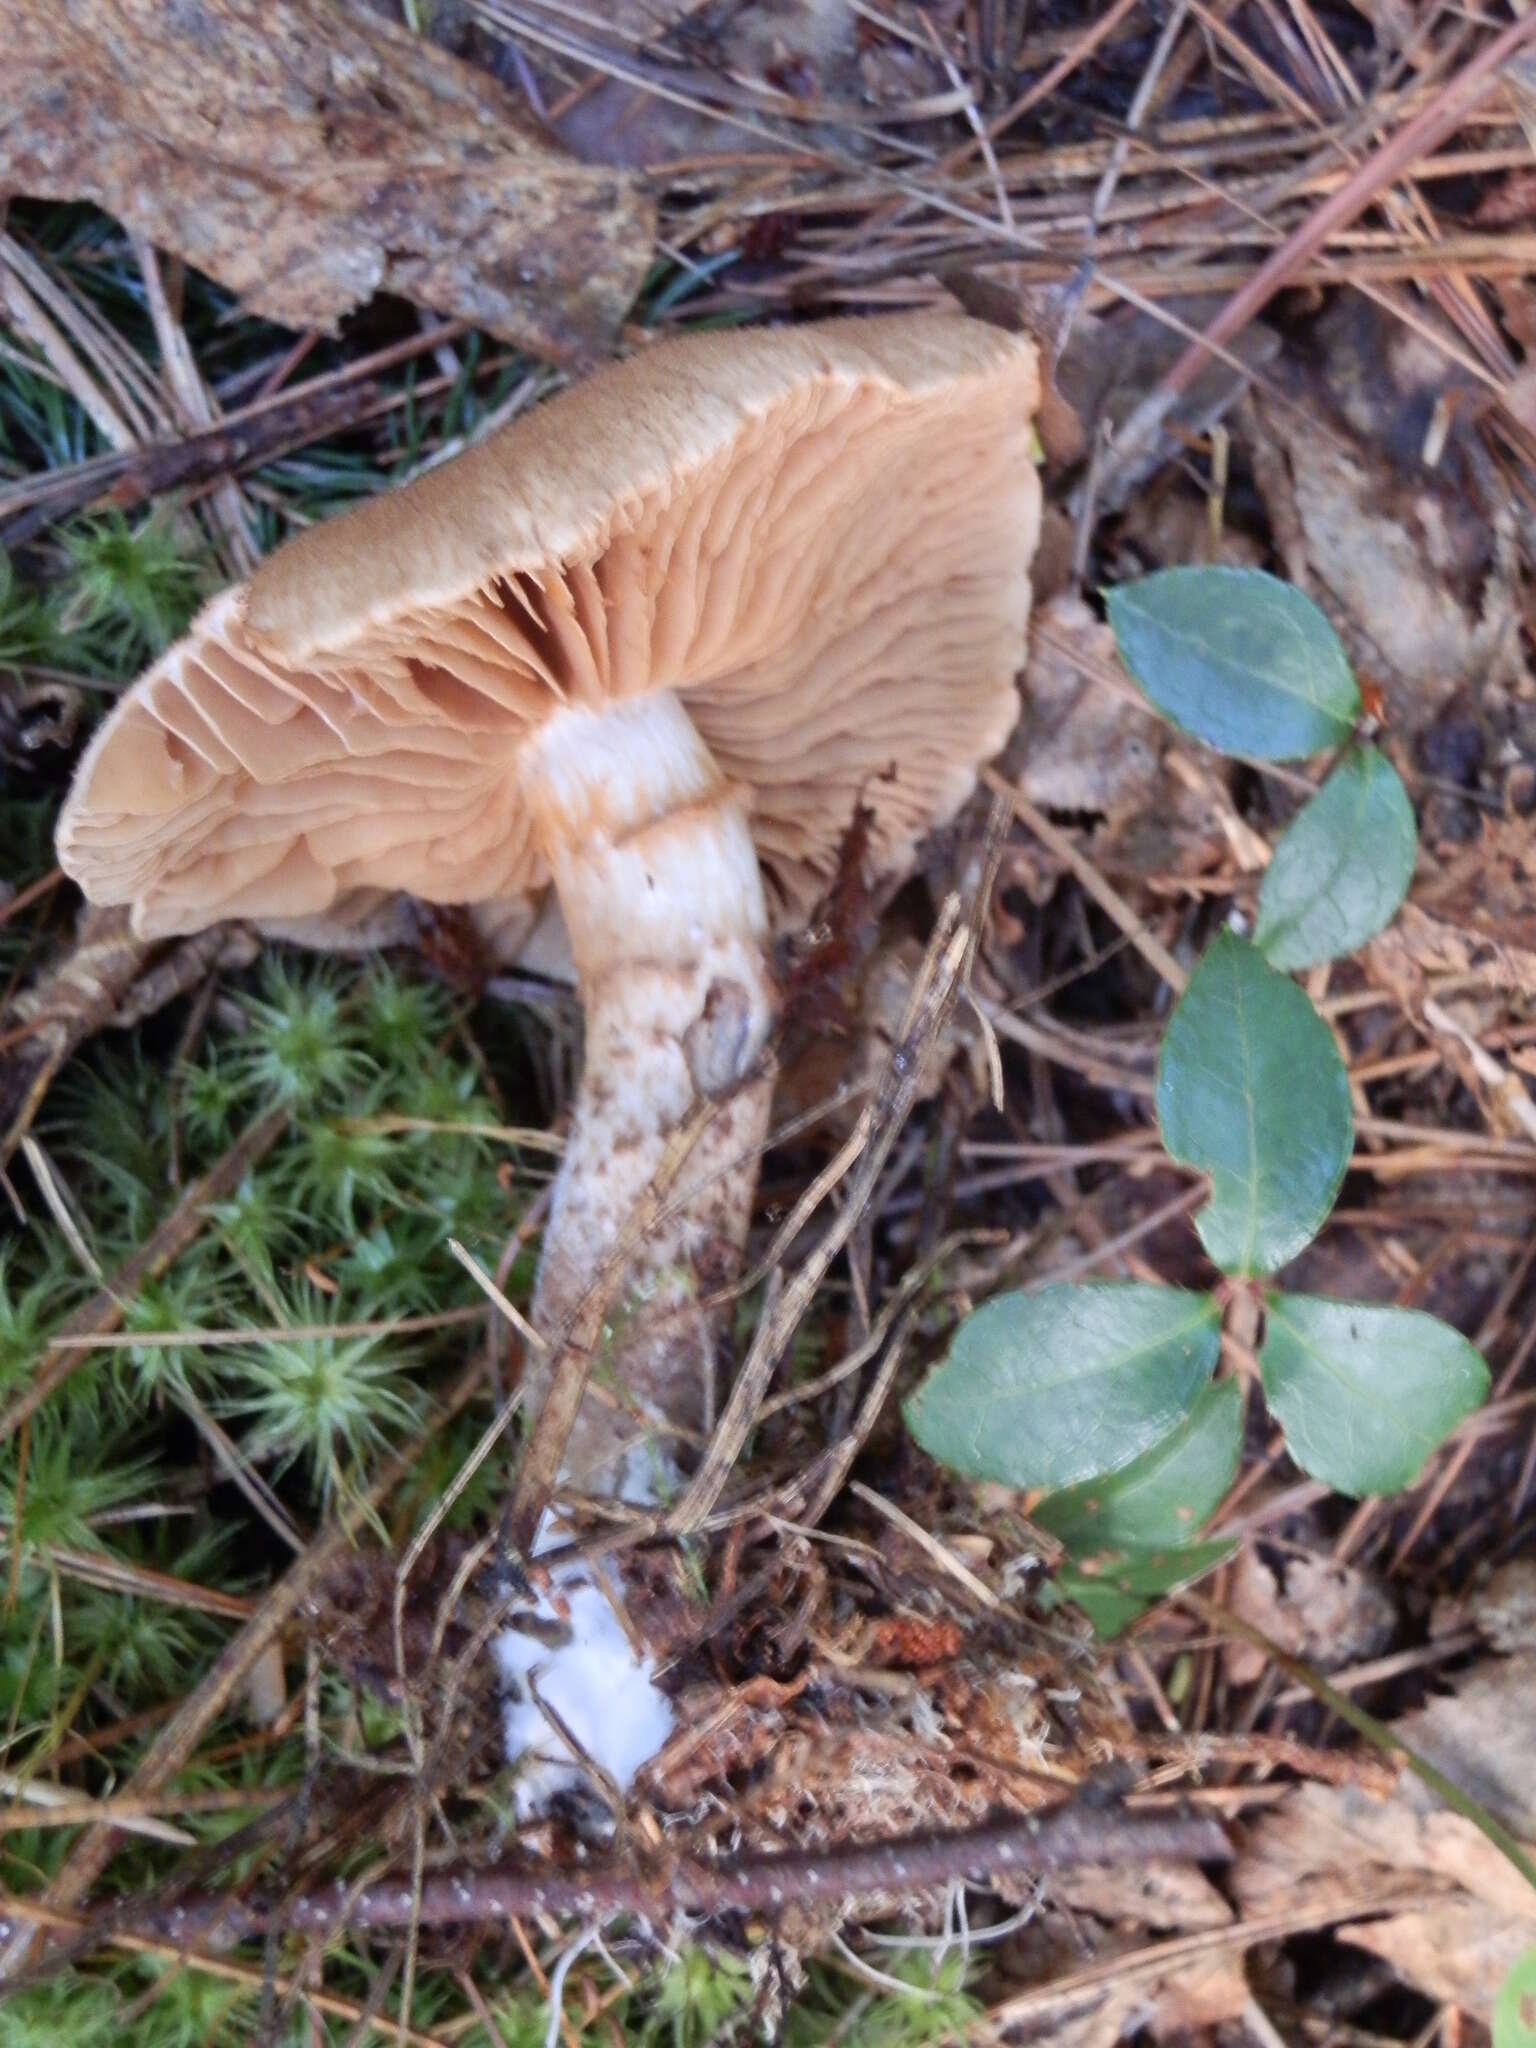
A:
652	644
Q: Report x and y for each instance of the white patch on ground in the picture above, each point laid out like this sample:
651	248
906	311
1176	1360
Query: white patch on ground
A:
594	1681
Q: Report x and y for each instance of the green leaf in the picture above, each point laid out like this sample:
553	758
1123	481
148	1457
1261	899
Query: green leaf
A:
1364	1394
1342	868
1163	1496
1239	659
1047	1388
1121	1588
1251	1089
1514	2011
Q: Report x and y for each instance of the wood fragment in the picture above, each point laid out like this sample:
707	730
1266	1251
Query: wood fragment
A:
229	448
308	156
1073	1833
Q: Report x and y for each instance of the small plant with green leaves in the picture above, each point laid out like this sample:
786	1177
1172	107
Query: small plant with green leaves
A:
1104	1392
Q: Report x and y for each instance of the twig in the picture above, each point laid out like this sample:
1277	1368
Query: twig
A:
212	453
1062	1837
251	1979
103	980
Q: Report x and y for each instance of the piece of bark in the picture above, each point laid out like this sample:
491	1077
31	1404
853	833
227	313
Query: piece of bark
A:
307	156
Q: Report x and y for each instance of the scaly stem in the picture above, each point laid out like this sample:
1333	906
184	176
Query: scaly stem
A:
658	880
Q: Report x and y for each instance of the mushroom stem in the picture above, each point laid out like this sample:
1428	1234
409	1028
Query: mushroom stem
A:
657	876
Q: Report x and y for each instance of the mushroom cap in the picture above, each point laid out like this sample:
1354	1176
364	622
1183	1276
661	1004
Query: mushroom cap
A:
818	537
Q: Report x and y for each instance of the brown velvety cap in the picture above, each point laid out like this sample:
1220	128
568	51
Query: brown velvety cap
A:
819	537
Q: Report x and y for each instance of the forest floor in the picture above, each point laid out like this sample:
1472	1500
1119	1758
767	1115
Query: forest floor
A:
260	1204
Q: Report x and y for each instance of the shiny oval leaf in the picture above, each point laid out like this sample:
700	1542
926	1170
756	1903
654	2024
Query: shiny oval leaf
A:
1047	1388
1365	1394
1239	659
1251	1089
1164	1496
1342	867
1121	1588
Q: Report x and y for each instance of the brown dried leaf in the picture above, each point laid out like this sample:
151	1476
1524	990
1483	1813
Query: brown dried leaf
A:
1112	363
1488	889
1418	946
1090	746
1087	744
1484	1736
1314	1848
1458	1952
1501	1607
1324	1836
1150	1894
1507	201
733	71
308	156
1200	1992
1414	565
1207	1992
1315	1607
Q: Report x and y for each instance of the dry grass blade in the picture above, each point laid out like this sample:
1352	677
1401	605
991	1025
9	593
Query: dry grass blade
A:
99	1568
955	1567
259	1333
42	1805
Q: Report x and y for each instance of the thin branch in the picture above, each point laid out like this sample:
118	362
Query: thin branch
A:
1063	1837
